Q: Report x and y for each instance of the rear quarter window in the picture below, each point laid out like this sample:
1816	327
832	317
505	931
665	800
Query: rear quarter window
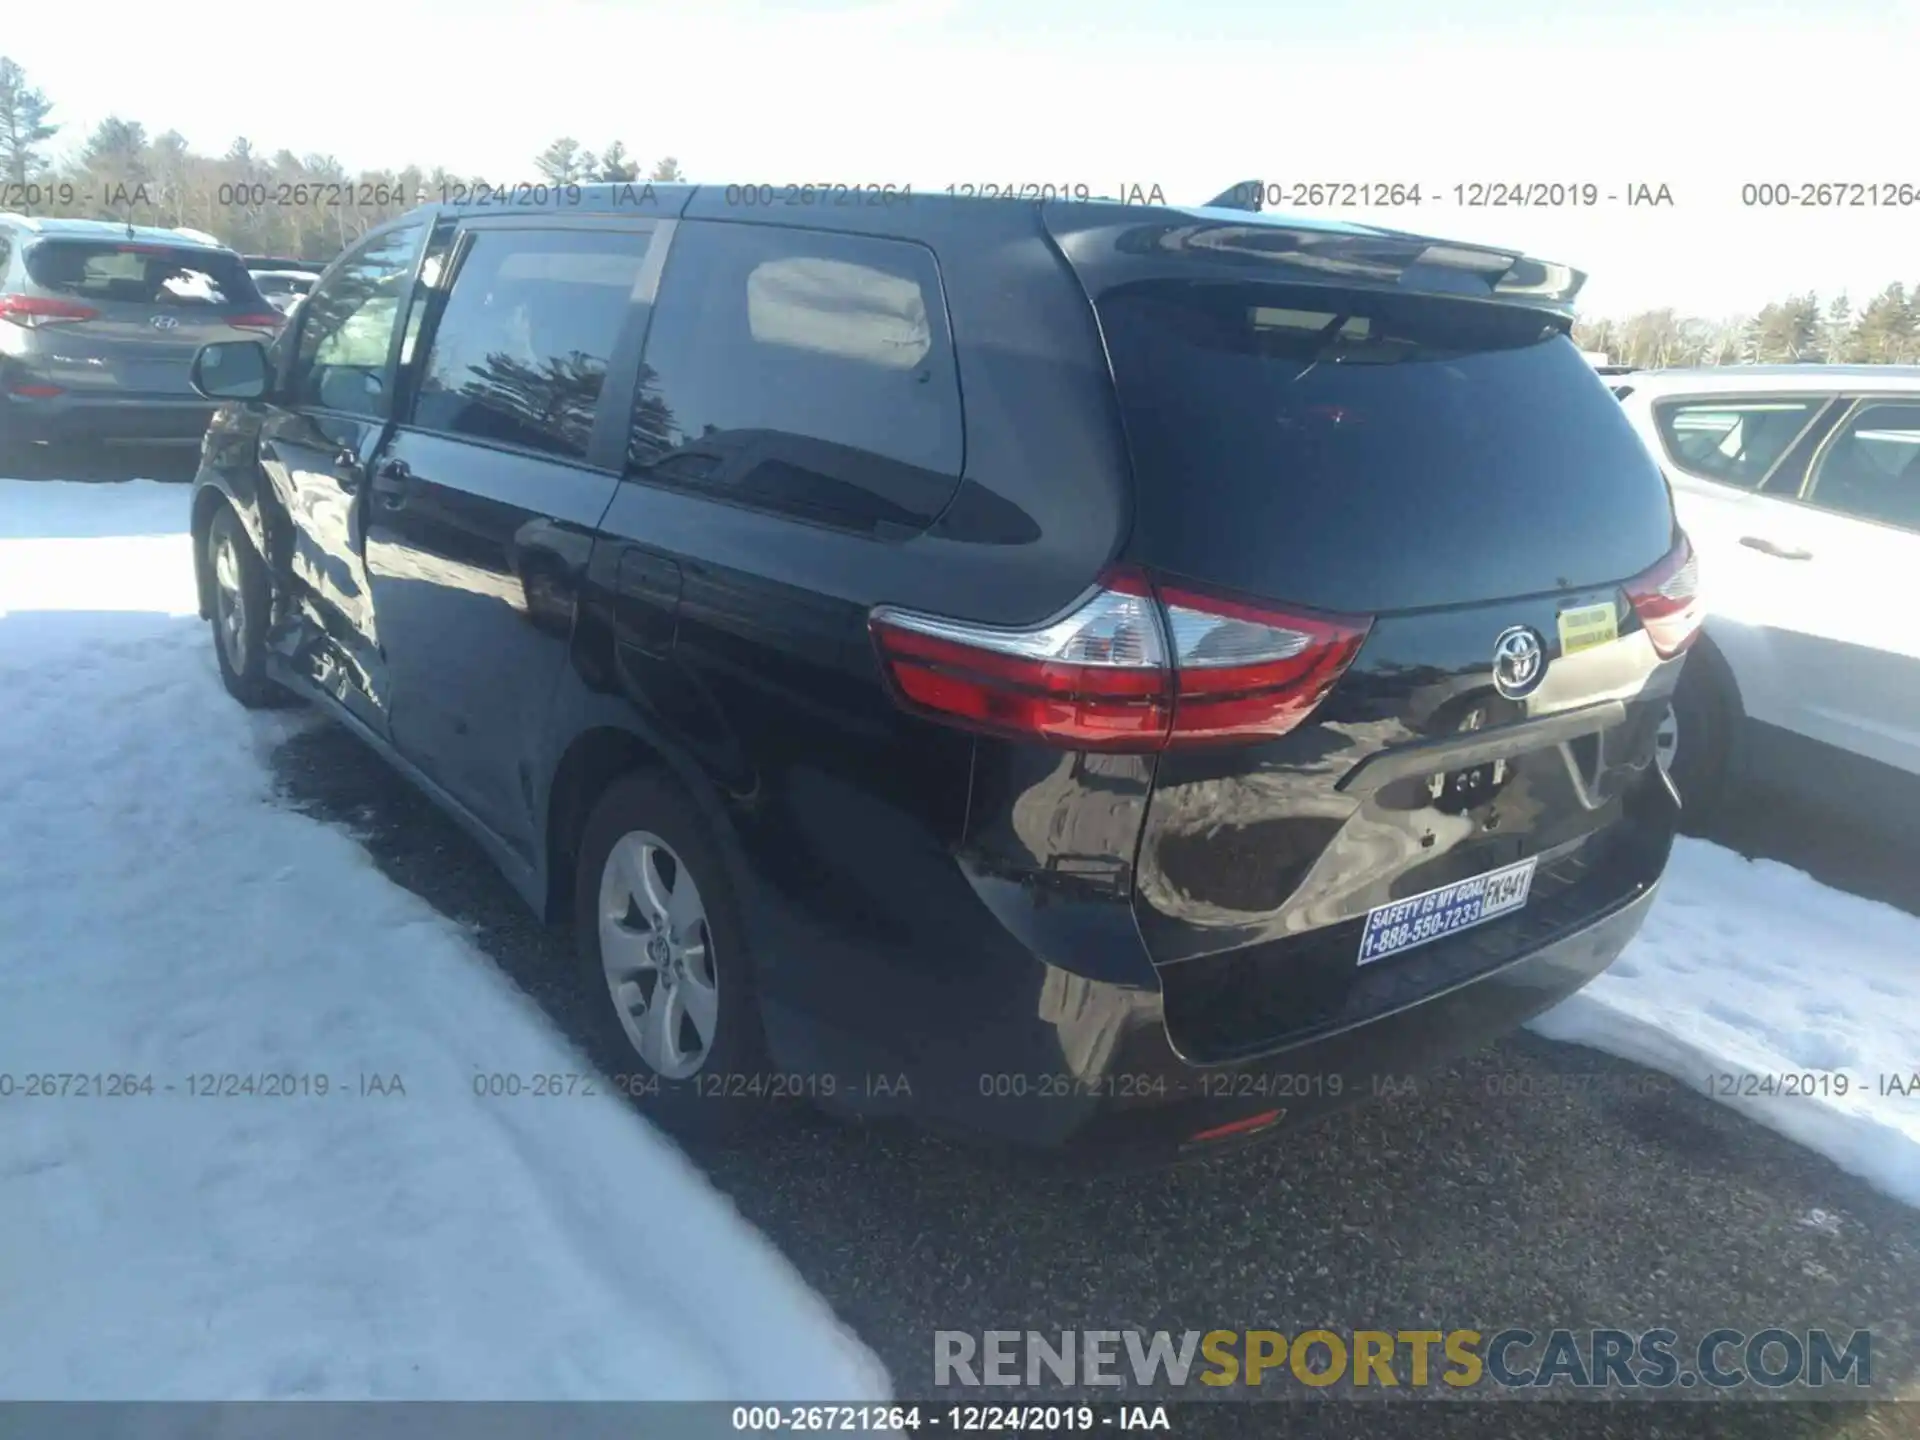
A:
802	372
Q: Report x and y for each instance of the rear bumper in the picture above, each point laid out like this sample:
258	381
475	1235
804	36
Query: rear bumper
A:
70	419
1132	1095
1088	1067
1378	1057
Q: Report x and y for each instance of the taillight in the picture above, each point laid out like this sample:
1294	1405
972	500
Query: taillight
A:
1096	678
268	320
1667	600
1249	671
33	311
1126	669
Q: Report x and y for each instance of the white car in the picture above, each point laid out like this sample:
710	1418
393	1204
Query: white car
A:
1800	487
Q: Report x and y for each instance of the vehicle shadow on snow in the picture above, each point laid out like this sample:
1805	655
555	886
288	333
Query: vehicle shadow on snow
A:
1534	1185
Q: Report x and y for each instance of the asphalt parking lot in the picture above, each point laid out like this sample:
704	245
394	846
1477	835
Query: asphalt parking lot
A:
1536	1183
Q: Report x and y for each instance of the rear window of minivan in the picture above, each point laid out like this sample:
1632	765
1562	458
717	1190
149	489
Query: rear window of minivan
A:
141	274
1368	451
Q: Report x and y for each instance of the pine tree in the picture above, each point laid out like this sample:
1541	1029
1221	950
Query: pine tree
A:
169	161
1802	322
616	166
1836	333
563	162
1885	333
23	125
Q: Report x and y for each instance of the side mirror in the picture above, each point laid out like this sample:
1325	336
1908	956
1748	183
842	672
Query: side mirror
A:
232	370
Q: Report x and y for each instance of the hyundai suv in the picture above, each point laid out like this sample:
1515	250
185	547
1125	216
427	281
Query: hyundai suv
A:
1084	674
99	324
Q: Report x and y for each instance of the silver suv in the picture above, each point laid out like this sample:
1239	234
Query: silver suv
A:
99	323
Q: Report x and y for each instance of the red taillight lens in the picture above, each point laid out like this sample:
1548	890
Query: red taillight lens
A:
268	320
1667	600
1096	678
37	392
1124	670
33	311
1250	671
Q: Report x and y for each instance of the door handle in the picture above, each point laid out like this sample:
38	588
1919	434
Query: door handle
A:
1769	547
346	465
391	478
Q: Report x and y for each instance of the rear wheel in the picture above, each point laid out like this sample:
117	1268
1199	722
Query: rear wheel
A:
664	963
241	607
21	459
1693	738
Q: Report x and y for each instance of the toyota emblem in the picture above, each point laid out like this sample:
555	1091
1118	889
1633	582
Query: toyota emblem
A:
1519	661
164	322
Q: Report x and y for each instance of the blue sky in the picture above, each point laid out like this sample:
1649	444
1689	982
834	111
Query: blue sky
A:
1191	95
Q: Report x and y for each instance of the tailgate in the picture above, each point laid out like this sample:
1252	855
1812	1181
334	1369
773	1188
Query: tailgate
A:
1447	470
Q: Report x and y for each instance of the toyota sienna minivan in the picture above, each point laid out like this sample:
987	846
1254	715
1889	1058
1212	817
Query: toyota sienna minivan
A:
1082	674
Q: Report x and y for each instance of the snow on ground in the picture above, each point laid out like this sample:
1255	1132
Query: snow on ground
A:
1748	968
163	918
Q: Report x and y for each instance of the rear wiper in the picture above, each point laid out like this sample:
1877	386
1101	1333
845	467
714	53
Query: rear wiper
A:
1324	339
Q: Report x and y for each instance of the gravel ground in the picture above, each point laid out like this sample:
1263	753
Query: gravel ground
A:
1597	1194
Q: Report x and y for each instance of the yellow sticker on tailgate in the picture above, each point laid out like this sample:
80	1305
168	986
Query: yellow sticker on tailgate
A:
1586	626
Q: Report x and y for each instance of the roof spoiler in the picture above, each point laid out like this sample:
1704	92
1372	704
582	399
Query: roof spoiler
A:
1248	195
1111	243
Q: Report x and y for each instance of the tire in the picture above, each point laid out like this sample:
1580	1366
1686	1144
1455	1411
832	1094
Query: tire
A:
20	460
1700	727
242	607
645	998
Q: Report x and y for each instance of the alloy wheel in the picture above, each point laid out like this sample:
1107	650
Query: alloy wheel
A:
656	949
229	601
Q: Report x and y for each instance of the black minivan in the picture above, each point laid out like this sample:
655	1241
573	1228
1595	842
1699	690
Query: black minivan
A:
1079	673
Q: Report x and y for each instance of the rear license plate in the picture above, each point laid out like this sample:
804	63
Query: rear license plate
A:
1447	910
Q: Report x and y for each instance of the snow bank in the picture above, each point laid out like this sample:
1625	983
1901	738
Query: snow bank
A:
167	921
